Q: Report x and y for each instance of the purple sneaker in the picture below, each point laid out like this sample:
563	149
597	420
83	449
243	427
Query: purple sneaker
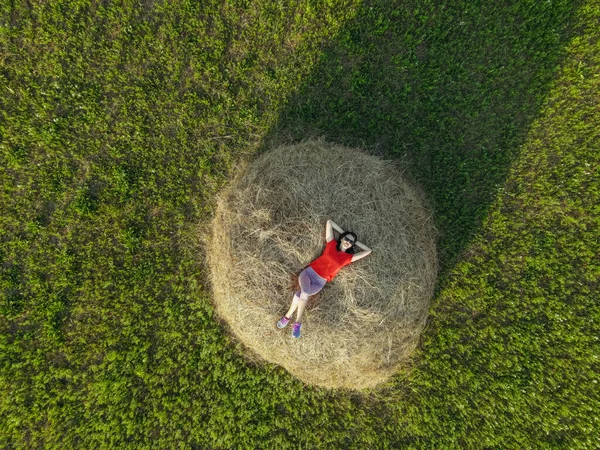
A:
283	322
296	329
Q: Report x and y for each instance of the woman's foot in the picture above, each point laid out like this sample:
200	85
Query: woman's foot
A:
296	329
282	323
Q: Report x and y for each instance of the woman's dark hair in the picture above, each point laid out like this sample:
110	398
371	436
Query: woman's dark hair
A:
344	234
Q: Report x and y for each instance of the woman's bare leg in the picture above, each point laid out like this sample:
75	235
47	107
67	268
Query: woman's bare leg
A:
301	306
293	306
301	296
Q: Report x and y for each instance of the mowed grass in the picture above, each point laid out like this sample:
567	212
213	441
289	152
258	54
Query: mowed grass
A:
119	124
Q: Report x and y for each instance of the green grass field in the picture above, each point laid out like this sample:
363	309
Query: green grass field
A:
121	121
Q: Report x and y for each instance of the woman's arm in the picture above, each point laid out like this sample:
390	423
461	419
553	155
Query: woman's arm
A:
331	225
335	226
328	231
362	246
366	251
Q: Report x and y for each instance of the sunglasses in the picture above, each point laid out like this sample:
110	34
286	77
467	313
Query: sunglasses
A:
348	240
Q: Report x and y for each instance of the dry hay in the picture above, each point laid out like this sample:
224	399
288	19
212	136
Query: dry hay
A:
270	224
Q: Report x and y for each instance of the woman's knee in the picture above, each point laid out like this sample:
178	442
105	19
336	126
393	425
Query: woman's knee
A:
300	295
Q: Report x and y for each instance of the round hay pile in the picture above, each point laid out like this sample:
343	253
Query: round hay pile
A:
270	224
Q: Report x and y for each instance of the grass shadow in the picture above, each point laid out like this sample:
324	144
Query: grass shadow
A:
450	88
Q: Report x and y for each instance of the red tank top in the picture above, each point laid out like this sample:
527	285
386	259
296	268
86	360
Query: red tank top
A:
331	261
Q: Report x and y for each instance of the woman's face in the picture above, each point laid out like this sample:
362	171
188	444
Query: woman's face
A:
347	242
